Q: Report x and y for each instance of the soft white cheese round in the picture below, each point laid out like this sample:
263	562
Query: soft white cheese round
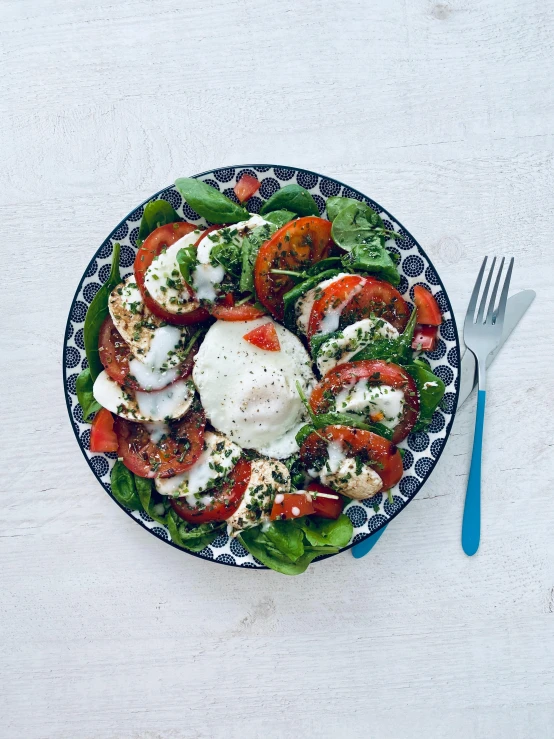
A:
379	403
351	340
305	303
268	479
163	278
343	475
250	394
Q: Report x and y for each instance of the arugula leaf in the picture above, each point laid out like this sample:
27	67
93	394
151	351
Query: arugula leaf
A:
355	224
374	258
85	397
187	260
208	202
156	214
97	312
123	487
430	389
190	536
293	198
323	532
290	298
250	247
336	203
280	217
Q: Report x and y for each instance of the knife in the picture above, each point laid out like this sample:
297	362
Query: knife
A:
515	310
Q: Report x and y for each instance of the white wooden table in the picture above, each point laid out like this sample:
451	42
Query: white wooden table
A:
444	113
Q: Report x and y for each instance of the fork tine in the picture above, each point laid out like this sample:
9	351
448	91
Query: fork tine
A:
492	313
475	294
504	295
483	302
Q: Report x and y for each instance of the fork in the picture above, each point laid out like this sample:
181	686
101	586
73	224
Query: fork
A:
482	333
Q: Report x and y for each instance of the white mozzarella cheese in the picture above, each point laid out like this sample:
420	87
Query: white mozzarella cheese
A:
380	403
352	339
163	278
343	475
131	317
305	304
268	479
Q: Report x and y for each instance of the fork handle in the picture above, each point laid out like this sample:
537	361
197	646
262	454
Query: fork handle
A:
471	526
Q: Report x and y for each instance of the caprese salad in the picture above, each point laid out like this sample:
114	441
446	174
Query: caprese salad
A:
255	375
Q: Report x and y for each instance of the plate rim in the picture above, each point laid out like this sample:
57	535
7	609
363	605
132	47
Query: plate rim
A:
448	428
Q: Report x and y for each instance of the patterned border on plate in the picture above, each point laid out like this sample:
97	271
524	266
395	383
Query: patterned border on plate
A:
422	449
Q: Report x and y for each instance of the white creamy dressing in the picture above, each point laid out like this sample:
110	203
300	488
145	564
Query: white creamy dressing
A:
305	303
158	367
336	456
131	297
352	340
213	464
250	394
165	267
362	397
331	319
157	430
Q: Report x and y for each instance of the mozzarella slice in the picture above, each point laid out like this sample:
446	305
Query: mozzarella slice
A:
379	403
268	479
250	394
341	473
305	303
131	317
159	366
352	339
164	282
170	403
216	461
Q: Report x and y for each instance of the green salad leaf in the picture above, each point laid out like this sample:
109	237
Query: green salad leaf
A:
430	389
336	203
250	247
209	203
187	260
151	501
323	532
156	214
397	350
85	397
193	537
292	198
355	224
280	218
123	487
374	258
290	298
97	312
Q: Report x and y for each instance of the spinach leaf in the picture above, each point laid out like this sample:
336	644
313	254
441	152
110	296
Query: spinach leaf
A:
228	254
323	532
374	258
290	298
336	203
293	198
156	214
324	265
190	536
123	487
393	350
187	260
287	538
250	247
208	202
354	224
280	217
151	501
97	312
85	397
430	389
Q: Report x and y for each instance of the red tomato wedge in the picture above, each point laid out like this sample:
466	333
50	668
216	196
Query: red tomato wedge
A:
428	311
376	452
246	187
225	500
102	435
294	246
244	312
264	337
332	298
425	338
114	355
159	239
291	505
376	372
171	455
378	298
324	506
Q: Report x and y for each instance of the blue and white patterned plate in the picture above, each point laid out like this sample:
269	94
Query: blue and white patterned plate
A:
422	449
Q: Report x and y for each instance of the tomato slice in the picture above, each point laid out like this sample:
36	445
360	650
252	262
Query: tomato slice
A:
225	500
244	312
264	337
380	299
379	453
376	372
428	311
291	505
425	338
102	435
324	506
173	454
332	298
246	187
293	247
159	239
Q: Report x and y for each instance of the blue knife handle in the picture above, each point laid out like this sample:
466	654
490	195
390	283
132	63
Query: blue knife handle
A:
471	525
365	546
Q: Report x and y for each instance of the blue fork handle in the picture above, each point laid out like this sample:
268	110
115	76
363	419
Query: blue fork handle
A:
471	525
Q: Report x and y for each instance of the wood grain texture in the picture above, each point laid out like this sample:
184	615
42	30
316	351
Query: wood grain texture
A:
442	112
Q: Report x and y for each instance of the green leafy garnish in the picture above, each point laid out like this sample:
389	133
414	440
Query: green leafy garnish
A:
85	397
250	247
397	350
209	203
290	298
156	214
336	203
430	389
292	198
193	537
123	487
280	217
187	260
97	312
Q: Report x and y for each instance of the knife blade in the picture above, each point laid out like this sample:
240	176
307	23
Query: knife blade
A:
515	310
